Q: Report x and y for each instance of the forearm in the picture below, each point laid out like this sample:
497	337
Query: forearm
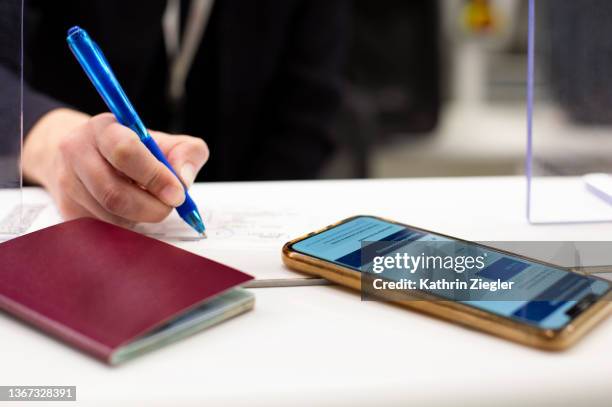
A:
35	104
45	121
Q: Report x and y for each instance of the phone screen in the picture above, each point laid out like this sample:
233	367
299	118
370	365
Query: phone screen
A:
566	293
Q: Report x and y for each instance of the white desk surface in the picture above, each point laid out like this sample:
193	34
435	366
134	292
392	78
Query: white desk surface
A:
304	345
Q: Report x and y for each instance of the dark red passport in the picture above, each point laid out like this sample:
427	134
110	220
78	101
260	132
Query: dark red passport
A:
99	286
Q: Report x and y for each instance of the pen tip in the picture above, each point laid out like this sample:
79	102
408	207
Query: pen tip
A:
194	220
203	235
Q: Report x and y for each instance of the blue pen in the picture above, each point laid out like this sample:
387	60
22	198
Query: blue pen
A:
99	72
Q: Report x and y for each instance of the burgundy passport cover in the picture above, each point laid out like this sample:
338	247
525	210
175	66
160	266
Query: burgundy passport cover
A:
98	286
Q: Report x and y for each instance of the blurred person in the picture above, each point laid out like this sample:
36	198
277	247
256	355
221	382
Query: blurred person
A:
256	83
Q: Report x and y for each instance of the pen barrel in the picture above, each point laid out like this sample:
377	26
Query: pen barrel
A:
152	146
97	68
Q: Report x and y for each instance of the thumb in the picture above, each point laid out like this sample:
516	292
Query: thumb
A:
186	154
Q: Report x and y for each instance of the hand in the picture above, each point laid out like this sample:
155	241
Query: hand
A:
95	167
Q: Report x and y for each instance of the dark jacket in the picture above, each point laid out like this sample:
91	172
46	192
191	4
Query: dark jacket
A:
263	89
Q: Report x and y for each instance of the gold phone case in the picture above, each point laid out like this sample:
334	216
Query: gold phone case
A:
455	312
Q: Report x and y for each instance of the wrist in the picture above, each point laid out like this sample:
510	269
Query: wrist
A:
41	144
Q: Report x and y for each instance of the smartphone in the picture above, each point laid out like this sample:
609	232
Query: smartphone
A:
573	303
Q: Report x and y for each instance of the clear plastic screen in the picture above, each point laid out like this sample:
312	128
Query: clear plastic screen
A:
11	21
569	155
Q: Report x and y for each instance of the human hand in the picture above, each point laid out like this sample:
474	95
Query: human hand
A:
95	167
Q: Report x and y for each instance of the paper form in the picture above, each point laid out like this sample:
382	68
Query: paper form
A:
250	226
247	236
20	218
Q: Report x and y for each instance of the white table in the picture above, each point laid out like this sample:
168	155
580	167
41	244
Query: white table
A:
304	345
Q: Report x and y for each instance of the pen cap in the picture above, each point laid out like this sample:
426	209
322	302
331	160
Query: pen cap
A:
98	70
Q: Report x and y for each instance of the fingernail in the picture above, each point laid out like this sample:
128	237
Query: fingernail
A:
188	174
172	195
